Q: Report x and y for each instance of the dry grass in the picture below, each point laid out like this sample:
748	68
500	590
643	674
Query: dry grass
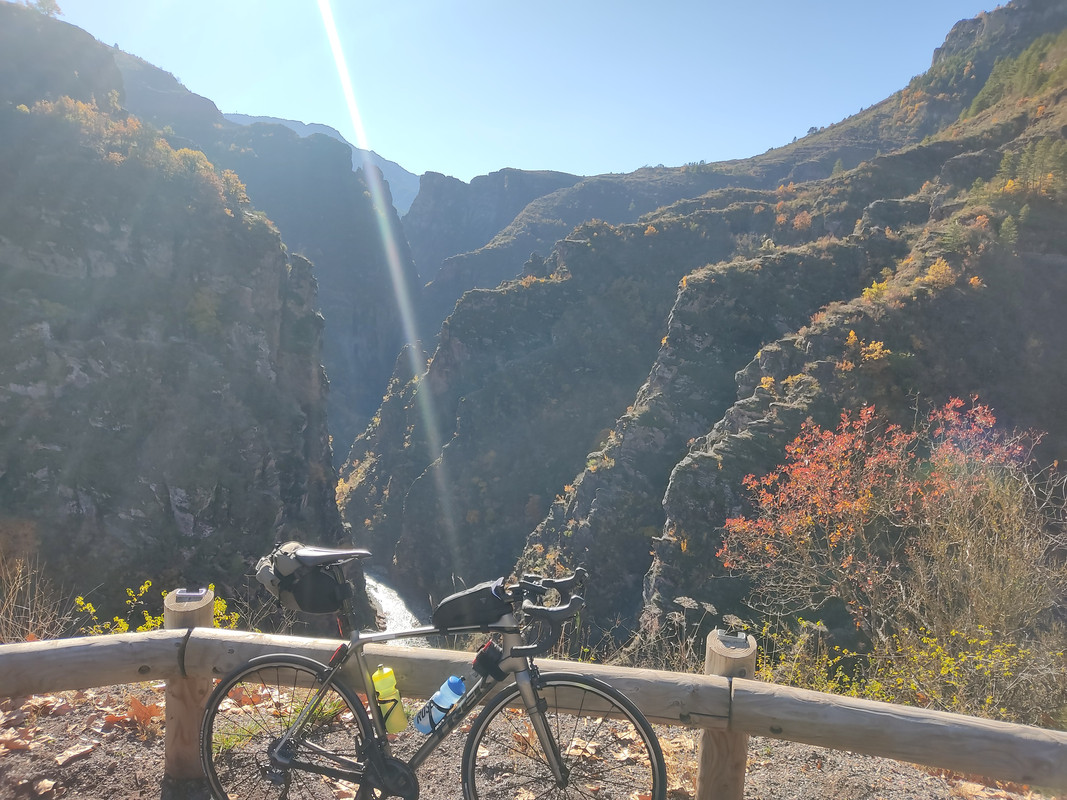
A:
31	608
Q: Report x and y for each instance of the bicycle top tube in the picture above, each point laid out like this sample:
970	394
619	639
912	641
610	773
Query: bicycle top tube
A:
360	638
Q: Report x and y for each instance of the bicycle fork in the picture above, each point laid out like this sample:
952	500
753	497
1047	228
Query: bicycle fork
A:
536	707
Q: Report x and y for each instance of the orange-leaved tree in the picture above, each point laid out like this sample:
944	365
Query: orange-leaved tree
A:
944	542
830	520
944	524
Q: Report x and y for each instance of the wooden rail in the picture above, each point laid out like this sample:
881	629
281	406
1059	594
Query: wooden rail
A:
996	750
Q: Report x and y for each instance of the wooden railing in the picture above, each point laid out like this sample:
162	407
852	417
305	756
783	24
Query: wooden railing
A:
729	708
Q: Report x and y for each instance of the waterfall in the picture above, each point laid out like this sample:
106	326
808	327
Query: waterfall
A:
398	615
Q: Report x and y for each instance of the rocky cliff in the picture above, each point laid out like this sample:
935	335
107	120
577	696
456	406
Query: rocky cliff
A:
450	216
403	185
162	401
325	211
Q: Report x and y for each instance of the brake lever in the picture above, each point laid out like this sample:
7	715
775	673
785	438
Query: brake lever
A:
566	586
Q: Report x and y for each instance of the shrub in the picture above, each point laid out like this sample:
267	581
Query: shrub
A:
30	606
137	606
943	543
980	674
939	276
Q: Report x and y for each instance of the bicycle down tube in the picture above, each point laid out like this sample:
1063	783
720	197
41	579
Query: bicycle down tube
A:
517	666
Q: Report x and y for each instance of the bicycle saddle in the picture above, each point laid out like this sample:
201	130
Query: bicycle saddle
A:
311	556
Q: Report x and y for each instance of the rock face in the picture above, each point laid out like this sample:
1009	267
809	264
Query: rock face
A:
74	66
450	217
541	222
403	185
1006	31
326	212
162	401
524	382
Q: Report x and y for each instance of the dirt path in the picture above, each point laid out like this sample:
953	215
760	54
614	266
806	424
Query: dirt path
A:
108	743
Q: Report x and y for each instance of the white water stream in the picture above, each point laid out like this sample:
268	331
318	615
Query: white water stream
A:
398	615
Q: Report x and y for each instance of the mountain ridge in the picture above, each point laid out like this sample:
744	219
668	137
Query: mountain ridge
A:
403	185
325	211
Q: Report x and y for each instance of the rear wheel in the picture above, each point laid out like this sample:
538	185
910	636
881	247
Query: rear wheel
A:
250	711
608	749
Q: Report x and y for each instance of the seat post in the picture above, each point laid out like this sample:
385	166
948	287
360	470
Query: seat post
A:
346	615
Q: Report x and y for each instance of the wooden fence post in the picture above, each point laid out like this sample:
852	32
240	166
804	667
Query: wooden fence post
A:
185	696
723	754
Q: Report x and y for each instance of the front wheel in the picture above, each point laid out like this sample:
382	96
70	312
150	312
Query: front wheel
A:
607	748
247	716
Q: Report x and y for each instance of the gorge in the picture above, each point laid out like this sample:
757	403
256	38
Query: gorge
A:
203	352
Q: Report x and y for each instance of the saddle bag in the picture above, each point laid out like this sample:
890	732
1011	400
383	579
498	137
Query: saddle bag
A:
310	590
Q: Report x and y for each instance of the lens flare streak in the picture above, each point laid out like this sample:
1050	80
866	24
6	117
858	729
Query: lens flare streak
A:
391	248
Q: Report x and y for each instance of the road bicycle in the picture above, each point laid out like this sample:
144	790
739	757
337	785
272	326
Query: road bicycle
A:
287	726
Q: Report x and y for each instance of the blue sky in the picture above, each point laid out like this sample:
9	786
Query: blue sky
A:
471	86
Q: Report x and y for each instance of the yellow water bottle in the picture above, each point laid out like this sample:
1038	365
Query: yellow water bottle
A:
389	700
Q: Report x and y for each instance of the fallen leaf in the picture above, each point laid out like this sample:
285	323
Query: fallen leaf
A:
17	739
629	736
50	704
43	786
74	753
14	717
143	714
525	739
582	748
11	703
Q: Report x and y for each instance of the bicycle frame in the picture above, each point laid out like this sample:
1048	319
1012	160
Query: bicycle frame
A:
520	667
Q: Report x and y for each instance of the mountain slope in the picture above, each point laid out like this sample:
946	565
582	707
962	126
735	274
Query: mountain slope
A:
451	217
931	101
615	355
980	321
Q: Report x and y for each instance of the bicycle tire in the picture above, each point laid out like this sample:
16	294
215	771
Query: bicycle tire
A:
250	709
607	745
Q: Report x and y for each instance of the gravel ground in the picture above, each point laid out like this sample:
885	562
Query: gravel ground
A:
108	743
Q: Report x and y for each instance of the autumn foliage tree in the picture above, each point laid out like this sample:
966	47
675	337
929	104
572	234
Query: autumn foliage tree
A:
829	521
944	525
944	542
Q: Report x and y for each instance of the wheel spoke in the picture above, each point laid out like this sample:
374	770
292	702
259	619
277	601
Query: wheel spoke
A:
608	750
250	712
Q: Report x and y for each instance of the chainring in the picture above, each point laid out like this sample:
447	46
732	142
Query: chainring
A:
396	779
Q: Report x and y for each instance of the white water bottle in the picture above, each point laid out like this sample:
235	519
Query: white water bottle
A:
431	714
